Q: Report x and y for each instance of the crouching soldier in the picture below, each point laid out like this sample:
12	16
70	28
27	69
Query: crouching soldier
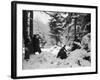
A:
62	53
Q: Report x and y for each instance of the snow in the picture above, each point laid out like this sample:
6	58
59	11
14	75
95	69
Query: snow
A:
47	59
55	49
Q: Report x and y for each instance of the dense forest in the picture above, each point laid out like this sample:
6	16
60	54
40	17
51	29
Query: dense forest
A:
64	27
69	26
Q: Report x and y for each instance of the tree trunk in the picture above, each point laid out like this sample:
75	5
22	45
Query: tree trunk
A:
27	31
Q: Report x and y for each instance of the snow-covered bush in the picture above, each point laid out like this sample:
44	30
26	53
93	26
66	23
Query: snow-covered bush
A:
86	42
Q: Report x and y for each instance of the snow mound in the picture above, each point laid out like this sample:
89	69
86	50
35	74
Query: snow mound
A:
49	60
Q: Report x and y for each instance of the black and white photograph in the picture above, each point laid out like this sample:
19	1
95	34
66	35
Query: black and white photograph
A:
53	39
56	39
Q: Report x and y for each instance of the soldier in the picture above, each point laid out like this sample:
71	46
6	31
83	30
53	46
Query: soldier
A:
36	44
62	53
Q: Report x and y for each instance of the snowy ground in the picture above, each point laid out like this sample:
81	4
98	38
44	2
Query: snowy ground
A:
47	59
